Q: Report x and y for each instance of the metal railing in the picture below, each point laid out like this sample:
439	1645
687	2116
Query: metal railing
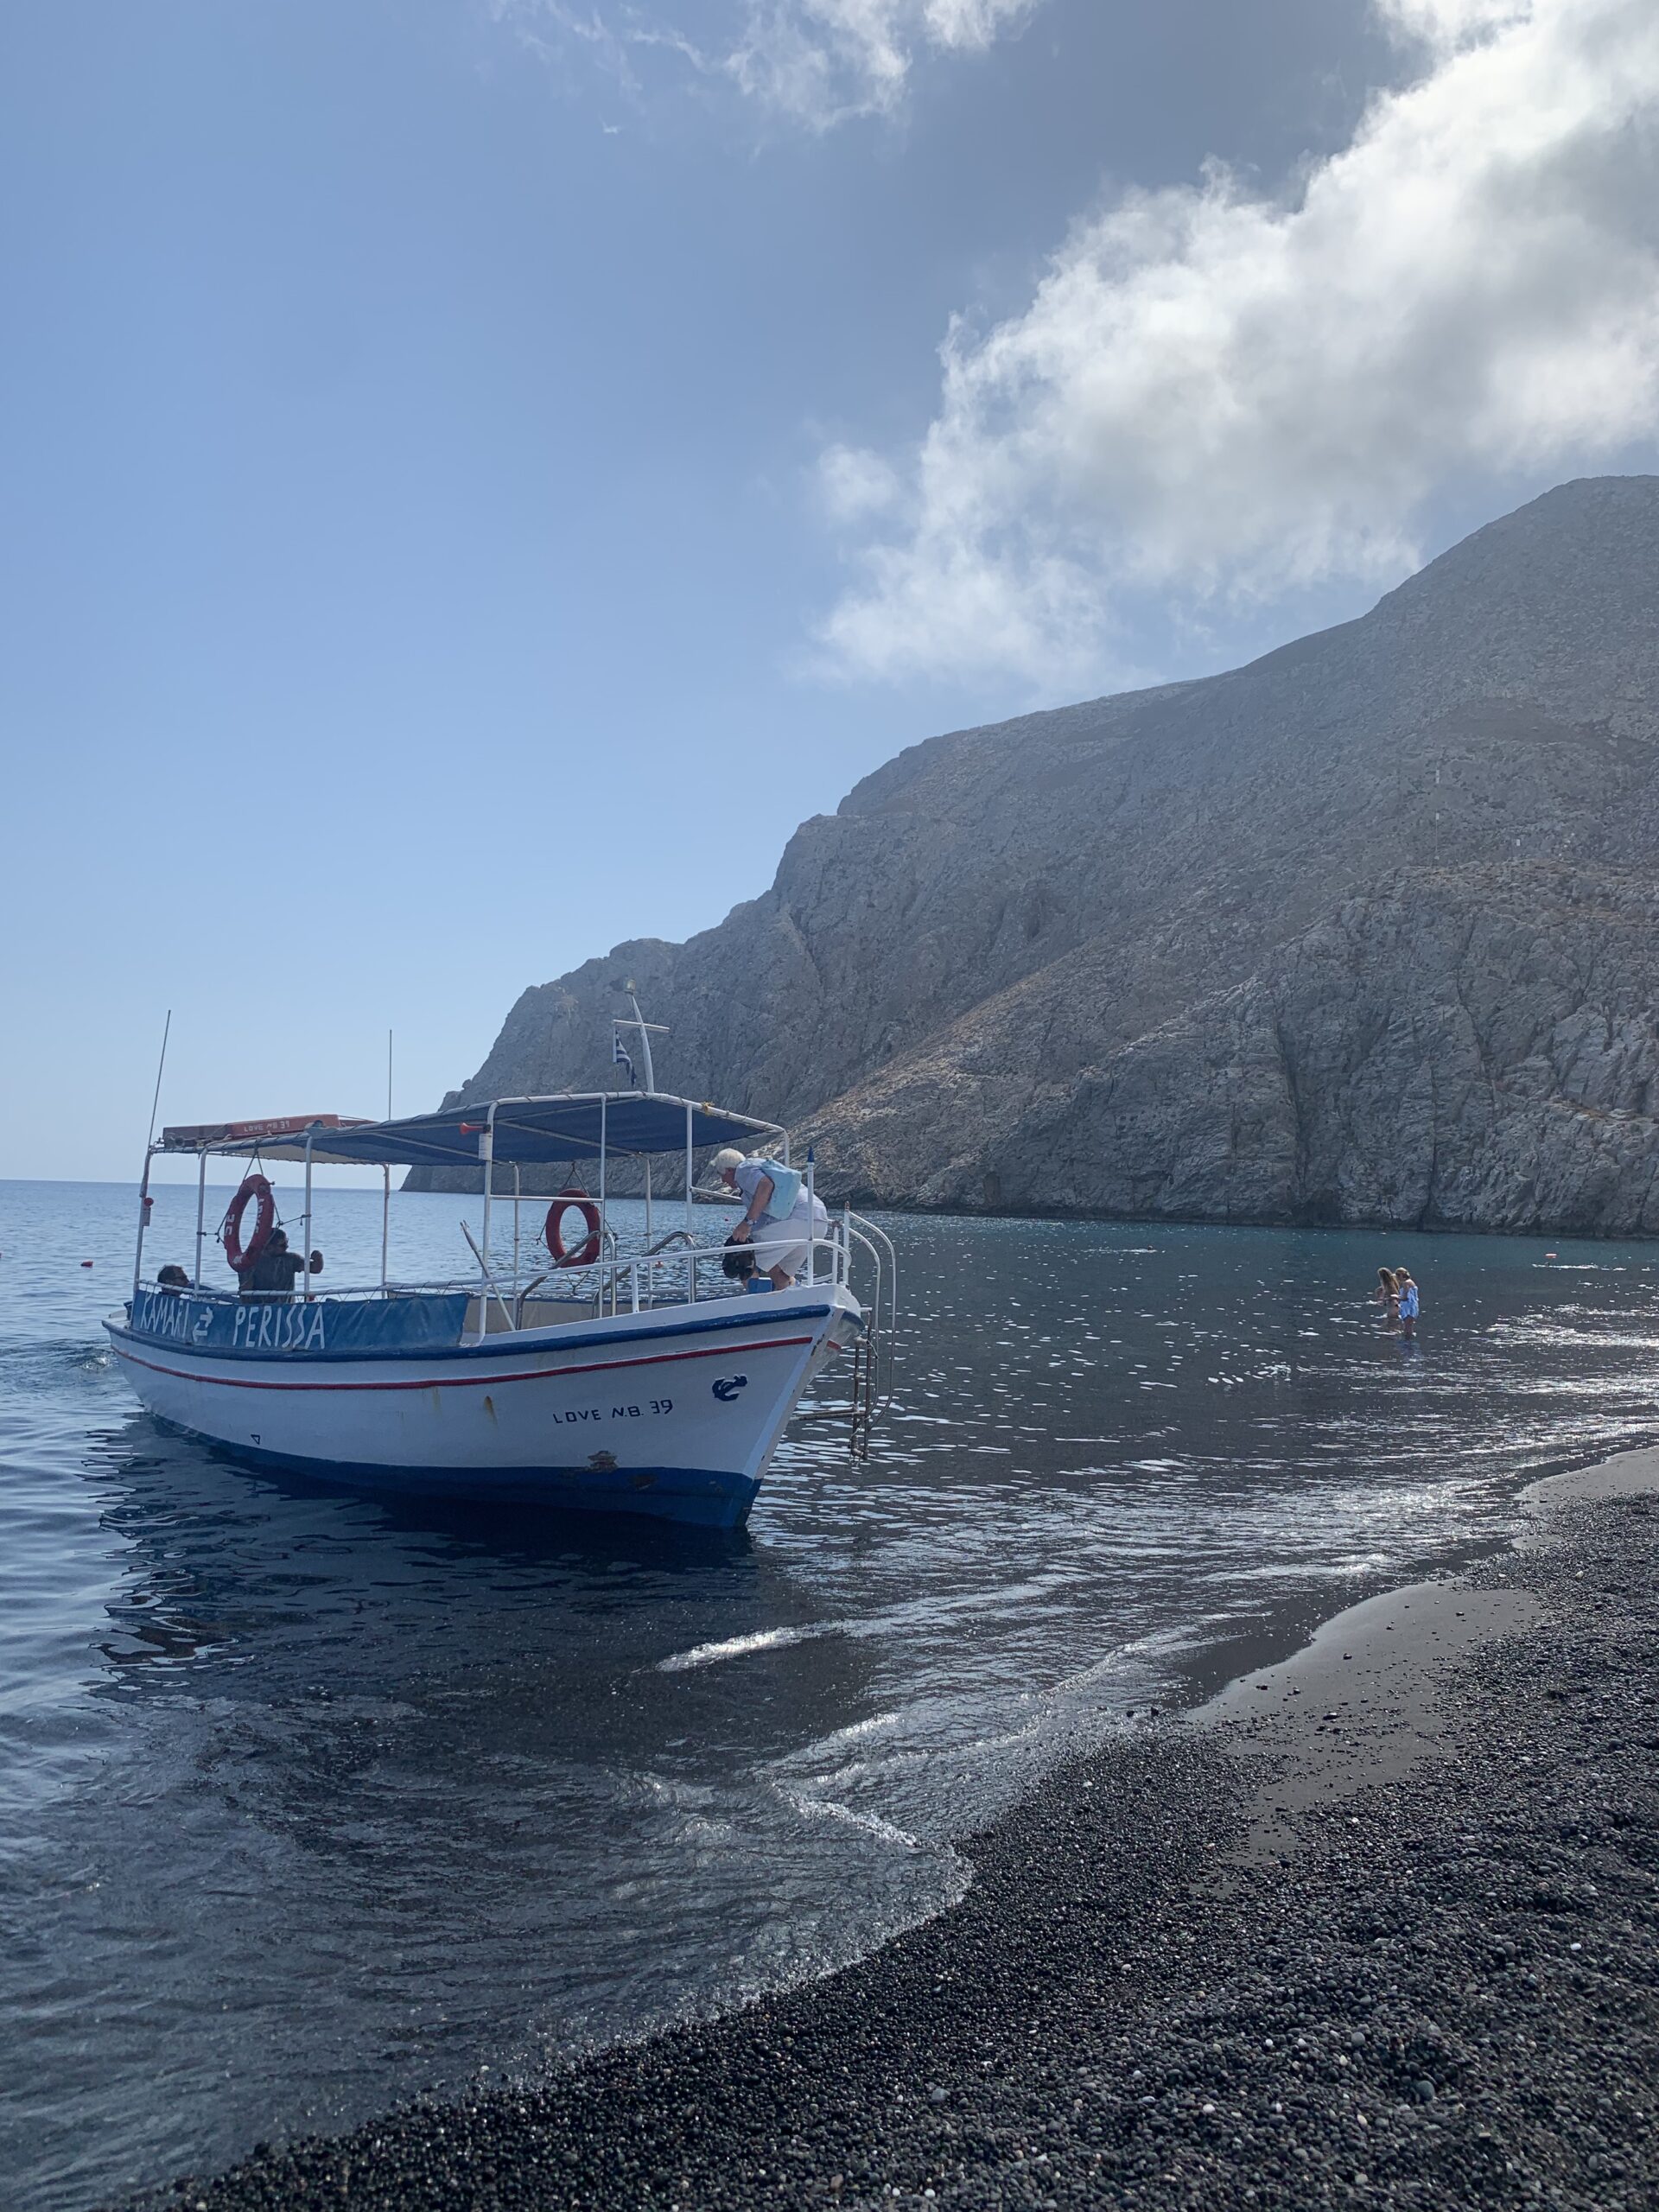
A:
674	1270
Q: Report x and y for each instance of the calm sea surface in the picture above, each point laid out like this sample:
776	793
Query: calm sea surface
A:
307	1802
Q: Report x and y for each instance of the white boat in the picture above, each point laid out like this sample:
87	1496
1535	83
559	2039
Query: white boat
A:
641	1382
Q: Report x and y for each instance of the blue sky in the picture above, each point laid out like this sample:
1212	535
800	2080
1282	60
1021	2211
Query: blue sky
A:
479	472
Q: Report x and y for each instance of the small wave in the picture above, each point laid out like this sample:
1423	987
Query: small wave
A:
856	1729
42	1362
1156	1644
872	1822
1539	1333
739	1646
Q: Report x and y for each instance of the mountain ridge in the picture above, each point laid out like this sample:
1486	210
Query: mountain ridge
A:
942	983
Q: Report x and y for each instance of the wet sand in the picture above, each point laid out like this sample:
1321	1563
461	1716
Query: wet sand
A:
1379	1925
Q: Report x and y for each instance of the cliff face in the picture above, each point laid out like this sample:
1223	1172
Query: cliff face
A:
1357	933
1472	1047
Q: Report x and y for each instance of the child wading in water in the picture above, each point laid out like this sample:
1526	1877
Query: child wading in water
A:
1406	1289
1387	1294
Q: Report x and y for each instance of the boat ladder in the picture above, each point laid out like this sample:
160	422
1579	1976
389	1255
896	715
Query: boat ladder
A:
861	1406
870	1389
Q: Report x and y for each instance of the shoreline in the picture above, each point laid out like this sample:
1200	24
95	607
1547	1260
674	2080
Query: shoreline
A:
1378	1924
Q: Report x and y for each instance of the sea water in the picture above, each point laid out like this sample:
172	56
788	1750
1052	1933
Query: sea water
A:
311	1802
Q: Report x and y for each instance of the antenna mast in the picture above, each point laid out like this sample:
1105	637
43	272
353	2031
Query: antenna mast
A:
167	1031
647	1031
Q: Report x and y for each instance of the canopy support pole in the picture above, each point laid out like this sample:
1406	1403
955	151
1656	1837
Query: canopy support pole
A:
518	1193
487	1149
386	1188
604	1218
144	1204
811	1216
308	1217
690	1210
202	1208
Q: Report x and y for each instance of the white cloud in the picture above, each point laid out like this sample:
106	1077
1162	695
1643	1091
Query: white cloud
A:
821	61
817	62
1216	393
855	484
1446	23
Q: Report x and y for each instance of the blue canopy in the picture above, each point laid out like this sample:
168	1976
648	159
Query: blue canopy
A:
539	1132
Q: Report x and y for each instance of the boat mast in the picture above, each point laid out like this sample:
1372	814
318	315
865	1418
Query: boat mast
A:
643	1028
647	1031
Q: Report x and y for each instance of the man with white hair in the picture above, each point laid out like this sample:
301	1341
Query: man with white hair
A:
779	1219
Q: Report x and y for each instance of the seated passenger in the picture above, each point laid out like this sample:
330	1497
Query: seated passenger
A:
779	1220
270	1278
172	1278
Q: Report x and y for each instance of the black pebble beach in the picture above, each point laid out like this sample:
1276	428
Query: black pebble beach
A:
1390	1934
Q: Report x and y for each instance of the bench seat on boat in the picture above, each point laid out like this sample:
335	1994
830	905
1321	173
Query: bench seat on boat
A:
539	1314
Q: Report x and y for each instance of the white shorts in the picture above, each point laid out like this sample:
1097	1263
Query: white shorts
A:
787	1243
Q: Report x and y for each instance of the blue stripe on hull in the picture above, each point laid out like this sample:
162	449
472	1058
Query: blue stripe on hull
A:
690	1495
567	1336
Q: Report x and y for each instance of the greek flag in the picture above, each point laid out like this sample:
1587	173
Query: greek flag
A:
620	1057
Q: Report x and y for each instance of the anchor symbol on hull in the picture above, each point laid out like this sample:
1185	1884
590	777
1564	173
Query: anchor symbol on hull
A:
727	1387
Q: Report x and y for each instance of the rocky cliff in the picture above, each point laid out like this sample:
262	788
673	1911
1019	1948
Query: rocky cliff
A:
1363	931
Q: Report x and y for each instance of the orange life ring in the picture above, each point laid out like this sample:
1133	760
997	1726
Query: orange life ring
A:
256	1187
587	1252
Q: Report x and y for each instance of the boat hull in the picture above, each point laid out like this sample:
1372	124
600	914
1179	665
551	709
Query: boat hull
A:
672	1415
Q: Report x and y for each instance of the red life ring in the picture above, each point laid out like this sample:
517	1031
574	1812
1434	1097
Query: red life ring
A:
253	1186
587	1252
